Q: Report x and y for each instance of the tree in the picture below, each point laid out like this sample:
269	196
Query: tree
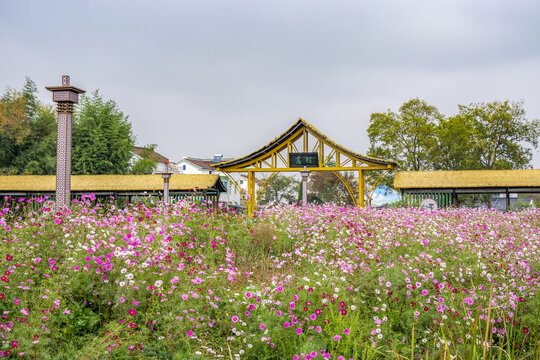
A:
37	154
281	189
102	138
20	118
499	135
407	137
147	163
326	187
453	150
14	120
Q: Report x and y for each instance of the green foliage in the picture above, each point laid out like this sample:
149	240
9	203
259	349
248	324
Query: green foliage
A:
281	189
14	119
326	187
28	136
102	138
406	137
481	136
499	134
37	155
454	151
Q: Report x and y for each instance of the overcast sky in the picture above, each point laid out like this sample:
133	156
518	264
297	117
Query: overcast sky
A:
202	77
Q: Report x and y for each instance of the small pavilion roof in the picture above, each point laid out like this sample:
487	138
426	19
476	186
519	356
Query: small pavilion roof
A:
298	125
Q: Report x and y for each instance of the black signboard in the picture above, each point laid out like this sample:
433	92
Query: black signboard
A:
301	159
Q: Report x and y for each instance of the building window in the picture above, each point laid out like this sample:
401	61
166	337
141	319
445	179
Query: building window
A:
183	167
210	171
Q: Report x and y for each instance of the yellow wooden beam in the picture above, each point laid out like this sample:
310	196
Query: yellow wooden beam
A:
251	193
287	169
263	188
361	188
347	186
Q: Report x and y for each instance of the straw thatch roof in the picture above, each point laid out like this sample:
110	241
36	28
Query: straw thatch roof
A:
301	123
47	183
467	179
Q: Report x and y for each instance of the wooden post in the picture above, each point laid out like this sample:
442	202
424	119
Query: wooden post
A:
251	193
361	188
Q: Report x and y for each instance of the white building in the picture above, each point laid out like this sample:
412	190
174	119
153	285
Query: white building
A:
163	164
233	197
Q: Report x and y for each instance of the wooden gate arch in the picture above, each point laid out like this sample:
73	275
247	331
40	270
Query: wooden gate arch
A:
303	138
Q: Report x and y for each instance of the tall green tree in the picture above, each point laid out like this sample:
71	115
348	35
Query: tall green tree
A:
500	136
453	149
102	138
407	137
481	136
37	154
20	118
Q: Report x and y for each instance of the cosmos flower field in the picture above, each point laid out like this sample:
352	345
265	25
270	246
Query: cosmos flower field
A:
328	282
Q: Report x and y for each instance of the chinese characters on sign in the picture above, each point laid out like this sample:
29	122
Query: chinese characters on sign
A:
303	159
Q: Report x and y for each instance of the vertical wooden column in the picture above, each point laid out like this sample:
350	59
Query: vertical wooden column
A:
361	188
251	193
